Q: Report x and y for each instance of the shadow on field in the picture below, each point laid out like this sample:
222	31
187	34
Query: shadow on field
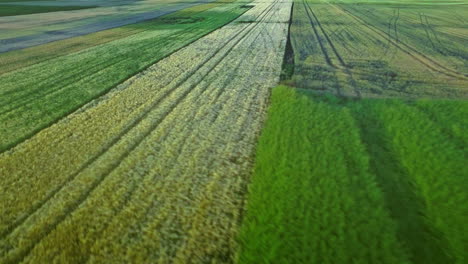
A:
403	196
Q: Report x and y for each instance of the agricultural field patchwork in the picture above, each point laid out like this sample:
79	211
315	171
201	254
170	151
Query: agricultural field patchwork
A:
198	125
18	32
68	82
234	131
15	10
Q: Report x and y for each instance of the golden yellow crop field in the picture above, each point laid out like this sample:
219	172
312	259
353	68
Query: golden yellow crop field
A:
155	170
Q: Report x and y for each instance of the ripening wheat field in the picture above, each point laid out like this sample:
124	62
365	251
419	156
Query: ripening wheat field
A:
233	131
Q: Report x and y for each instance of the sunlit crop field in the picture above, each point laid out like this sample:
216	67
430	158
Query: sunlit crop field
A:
156	169
234	131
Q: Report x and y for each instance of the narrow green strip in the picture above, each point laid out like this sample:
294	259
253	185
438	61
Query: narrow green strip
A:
425	243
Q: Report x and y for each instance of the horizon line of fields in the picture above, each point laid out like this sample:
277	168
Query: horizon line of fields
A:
36	96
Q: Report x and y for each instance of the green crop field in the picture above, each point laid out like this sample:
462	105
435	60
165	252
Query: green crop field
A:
234	131
373	181
373	49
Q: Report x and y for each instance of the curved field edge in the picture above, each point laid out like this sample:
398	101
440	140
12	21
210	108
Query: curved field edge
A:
338	180
37	96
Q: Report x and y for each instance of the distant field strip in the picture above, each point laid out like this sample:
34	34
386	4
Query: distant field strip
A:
156	170
34	97
35	29
411	51
341	49
433	32
17	59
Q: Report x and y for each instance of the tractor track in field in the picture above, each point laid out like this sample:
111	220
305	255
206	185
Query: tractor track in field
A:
425	26
327	38
319	38
233	42
406	48
341	63
321	44
133	124
431	28
393	29
395	24
434	40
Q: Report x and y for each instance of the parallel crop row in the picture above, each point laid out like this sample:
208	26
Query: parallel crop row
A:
155	170
34	97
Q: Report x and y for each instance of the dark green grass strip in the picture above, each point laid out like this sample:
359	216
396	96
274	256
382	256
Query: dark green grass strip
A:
16	10
312	198
35	97
17	59
434	164
425	243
